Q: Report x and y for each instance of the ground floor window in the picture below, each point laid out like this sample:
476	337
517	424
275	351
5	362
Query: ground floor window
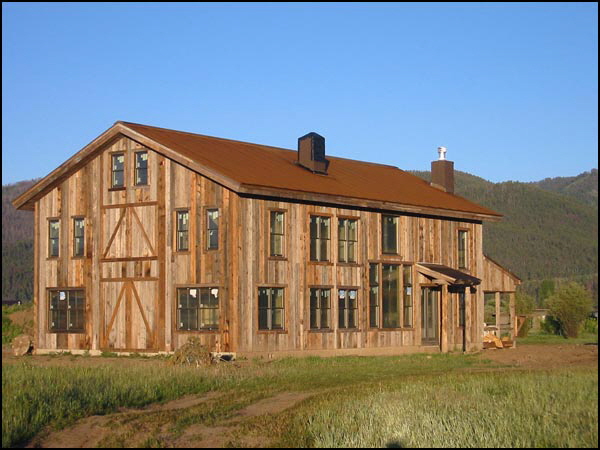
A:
320	307
390	296
198	308
67	310
271	309
347	307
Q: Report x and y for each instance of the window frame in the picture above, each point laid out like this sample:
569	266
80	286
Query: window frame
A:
319	240
68	310
271	310
178	249
137	169
283	212
319	310
208	229
198	309
462	261
113	155
51	239
343	324
384	249
347	240
76	237
377	319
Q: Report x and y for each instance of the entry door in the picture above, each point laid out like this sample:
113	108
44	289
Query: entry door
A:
429	315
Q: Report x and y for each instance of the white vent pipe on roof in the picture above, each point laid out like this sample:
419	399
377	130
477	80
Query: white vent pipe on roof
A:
442	153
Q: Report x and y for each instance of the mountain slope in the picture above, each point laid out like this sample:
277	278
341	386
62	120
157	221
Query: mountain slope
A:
583	187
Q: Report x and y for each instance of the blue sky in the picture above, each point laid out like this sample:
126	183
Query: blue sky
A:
510	89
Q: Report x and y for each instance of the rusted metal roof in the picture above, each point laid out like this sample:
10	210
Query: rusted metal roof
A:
275	169
455	277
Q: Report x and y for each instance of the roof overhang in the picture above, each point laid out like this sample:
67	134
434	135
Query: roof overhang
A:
441	274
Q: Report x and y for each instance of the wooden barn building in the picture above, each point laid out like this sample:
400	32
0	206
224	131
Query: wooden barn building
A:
149	236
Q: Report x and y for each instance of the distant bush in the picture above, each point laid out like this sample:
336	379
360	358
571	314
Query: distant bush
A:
550	325
524	305
590	325
570	306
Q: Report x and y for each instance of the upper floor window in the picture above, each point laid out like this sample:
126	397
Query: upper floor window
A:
118	170
271	310
66	310
389	234
347	240
141	168
53	237
320	307
183	227
78	236
212	229
276	233
198	308
462	249
320	232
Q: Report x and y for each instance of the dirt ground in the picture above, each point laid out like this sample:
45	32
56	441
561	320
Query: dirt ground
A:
132	428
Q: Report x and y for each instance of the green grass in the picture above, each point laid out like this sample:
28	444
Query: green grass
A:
415	400
541	338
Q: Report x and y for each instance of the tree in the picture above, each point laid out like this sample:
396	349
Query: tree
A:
570	306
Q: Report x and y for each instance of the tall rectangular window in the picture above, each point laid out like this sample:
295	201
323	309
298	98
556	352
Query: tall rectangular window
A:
320	307
66	310
319	238
347	308
462	249
212	229
347	240
118	170
390	295
389	234
408	297
53	238
198	308
78	236
183	227
271	309
276	233
141	168
374	295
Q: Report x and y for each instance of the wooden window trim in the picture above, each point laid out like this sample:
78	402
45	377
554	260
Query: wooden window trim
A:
73	219
283	330
135	169
397	250
219	308
207	209
356	310
285	234
48	255
356	242
327	261
176	250
49	316
330	328
111	155
467	265
401	286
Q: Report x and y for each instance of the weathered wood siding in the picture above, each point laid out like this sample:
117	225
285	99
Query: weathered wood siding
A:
131	269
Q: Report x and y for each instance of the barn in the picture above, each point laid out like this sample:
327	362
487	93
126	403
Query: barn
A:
148	236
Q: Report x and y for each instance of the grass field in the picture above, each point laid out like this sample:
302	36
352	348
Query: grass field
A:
445	400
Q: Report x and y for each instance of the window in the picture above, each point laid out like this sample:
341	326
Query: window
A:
270	309
212	229
276	233
462	249
320	305
118	170
347	307
408	297
198	308
389	234
390	296
78	236
183	227
319	238
141	168
67	310
347	238
461	309
374	295
53	237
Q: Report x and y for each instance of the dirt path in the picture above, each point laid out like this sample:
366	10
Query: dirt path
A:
545	356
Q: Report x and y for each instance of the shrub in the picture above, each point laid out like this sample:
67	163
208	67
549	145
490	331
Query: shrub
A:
570	305
524	305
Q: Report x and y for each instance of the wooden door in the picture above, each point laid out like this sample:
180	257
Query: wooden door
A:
430	315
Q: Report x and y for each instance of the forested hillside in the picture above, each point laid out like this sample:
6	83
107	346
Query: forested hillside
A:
549	228
542	234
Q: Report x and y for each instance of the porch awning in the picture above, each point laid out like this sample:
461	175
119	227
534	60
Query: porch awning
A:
447	275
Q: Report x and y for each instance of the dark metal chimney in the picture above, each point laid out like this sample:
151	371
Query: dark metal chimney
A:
311	153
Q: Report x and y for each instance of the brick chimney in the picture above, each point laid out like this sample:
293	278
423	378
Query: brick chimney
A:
311	153
442	172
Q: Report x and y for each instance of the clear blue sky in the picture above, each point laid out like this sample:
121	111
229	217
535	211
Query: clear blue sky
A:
510	89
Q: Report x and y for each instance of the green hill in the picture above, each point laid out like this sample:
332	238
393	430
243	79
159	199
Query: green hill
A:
543	234
583	187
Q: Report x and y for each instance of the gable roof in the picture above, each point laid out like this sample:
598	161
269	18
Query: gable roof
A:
253	169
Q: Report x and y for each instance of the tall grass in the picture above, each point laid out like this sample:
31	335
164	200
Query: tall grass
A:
517	409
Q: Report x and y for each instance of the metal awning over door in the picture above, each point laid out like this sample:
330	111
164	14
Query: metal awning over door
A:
445	275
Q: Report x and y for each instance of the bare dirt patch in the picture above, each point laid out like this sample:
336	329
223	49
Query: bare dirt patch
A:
545	356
